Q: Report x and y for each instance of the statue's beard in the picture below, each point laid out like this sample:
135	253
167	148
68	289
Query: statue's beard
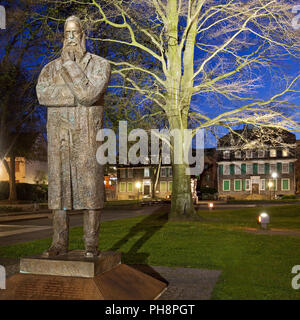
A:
76	51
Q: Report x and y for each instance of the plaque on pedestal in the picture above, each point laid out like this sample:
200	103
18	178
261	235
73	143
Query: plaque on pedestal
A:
73	277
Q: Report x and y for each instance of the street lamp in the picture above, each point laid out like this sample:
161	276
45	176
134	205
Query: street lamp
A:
138	185
274	176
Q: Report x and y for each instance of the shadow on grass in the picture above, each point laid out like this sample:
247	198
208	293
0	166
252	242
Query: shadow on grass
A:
146	228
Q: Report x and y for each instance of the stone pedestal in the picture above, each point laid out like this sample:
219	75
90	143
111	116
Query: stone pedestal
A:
74	277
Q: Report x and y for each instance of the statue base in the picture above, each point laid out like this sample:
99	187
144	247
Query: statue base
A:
74	277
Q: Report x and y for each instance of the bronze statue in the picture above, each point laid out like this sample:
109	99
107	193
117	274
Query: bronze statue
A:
72	87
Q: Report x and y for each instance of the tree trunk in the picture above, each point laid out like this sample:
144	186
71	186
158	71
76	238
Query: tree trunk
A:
182	207
12	180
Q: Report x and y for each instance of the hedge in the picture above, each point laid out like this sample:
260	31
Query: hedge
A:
25	191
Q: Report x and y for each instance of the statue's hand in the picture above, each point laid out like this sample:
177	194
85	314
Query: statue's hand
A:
67	56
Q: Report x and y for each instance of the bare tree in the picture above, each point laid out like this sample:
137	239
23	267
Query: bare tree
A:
215	58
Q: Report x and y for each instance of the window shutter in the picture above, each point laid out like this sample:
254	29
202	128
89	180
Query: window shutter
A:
254	168
244	184
291	167
221	169
243	168
267	168
279	167
232	169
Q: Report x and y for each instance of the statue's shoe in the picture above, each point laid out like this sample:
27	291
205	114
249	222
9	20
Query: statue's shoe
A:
91	253
54	251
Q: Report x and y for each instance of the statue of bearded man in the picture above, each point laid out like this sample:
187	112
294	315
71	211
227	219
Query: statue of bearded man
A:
72	87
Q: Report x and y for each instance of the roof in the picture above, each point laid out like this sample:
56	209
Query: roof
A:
257	137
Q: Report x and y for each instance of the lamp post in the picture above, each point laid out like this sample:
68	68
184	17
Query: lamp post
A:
138	185
274	176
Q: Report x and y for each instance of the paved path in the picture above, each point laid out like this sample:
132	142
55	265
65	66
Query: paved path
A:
35	229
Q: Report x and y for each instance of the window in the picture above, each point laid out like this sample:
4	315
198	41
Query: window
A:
285	184
170	186
261	153
129	187
226	169
122	173
262	184
237	169
285	168
261	168
248	154
17	166
285	152
272	184
170	172
272	167
238	154
163	172
122	186
226	185
237	185
146	172
226	154
273	153
163	186
249	168
130	173
247	184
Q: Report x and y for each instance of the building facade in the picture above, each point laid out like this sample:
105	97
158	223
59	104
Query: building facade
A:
137	182
252	166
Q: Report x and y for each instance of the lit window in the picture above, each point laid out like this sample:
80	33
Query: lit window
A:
261	153
226	154
285	152
261	168
170	186
122	186
273	153
285	168
238	154
146	172
129	187
163	186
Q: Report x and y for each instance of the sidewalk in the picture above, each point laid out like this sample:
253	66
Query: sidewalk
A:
28	215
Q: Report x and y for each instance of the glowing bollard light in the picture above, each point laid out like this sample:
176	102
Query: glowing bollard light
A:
263	220
210	206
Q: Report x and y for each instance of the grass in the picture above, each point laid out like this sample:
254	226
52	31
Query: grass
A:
254	266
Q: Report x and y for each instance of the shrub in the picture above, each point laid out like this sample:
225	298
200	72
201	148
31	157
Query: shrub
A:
25	191
289	196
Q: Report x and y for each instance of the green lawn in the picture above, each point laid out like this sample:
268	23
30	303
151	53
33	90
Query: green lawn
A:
253	266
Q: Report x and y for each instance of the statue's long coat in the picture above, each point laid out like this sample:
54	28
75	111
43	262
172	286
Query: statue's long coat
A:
73	93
